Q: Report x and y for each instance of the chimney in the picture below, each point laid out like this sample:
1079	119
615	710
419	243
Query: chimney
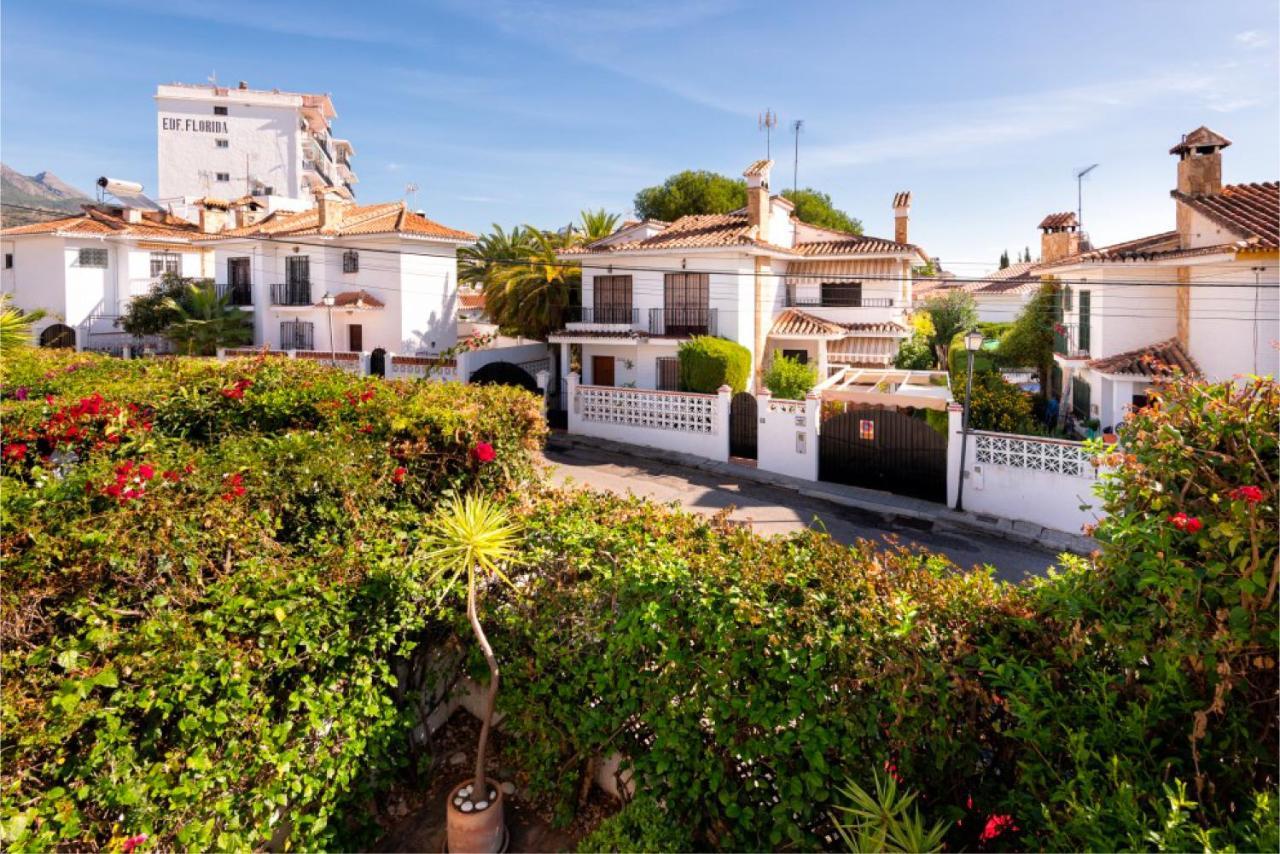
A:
331	209
901	213
1059	236
758	208
1199	174
132	215
213	215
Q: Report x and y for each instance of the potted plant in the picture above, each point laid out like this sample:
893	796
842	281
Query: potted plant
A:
475	536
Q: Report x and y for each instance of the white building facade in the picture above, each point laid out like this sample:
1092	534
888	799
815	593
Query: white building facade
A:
220	142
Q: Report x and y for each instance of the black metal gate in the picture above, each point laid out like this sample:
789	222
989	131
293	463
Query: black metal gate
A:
378	362
884	449
743	425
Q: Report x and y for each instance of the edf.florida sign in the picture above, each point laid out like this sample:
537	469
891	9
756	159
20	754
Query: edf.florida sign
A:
193	125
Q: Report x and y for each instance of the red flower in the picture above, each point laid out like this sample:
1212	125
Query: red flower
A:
146	471
366	395
366	428
996	826
133	842
15	451
1183	522
483	452
235	484
1251	494
233	393
399	473
171	475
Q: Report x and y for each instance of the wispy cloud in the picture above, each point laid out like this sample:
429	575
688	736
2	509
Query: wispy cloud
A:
1252	39
394	167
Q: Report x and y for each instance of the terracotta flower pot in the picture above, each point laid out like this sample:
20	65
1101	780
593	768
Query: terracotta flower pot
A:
478	831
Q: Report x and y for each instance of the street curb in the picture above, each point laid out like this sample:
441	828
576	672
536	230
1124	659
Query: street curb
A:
890	507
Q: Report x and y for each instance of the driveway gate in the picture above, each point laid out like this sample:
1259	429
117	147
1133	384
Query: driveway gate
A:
884	449
743	425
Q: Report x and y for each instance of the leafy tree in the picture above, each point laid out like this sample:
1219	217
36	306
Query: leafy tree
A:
529	298
916	353
1030	340
15	326
498	245
815	208
691	192
205	321
950	311
151	313
789	378
1004	259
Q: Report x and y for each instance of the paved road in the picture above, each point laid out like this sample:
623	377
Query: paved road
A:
775	510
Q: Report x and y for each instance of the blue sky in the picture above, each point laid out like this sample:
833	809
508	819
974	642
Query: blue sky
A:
529	111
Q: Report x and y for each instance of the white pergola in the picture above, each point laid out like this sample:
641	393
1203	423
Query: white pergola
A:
888	387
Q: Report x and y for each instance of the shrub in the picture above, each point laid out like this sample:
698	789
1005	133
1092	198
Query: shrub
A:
997	405
210	587
915	354
641	826
790	379
707	363
988	359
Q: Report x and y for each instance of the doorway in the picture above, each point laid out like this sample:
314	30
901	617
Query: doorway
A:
602	370
355	337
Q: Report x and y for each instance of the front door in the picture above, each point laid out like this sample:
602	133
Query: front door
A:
602	370
355	335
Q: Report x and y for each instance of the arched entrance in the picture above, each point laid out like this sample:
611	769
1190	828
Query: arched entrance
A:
378	362
59	336
504	373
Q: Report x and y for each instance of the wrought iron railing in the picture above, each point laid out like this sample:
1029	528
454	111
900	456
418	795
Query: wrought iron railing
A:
237	294
681	322
291	293
1071	340
297	335
834	300
615	314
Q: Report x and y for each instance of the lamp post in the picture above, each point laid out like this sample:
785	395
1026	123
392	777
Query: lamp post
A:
972	343
328	301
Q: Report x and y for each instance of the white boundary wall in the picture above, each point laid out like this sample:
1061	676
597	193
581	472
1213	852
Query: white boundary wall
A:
673	421
787	437
1023	478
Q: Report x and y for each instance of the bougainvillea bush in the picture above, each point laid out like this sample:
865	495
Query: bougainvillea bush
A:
209	577
1125	702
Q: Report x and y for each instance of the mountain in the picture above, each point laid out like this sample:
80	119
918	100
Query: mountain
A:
43	190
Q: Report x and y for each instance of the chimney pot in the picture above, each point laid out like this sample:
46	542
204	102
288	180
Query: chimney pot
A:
901	216
758	207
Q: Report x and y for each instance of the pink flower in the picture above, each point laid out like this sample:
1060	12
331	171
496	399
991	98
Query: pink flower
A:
1183	522
133	842
483	452
996	826
1251	494
21	393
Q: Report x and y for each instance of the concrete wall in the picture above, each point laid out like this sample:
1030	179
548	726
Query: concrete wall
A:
787	437
637	405
38	279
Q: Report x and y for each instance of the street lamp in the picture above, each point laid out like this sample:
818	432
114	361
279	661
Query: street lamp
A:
328	301
972	344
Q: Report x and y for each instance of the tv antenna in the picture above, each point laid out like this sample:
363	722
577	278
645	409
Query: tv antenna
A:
411	189
767	122
1080	176
213	77
796	127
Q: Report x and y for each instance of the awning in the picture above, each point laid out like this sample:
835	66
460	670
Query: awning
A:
881	387
859	350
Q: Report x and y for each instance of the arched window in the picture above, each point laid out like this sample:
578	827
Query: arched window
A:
58	335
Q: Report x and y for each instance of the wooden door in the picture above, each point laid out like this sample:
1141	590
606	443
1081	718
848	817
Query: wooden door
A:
355	334
602	370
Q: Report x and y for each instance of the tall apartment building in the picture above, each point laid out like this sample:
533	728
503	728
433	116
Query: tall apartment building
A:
221	142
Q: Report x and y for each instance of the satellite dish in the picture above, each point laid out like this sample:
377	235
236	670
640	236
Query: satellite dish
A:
128	193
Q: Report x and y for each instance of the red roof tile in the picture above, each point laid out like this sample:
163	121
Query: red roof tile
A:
1154	360
1066	219
1249	210
356	299
103	221
388	218
1201	136
758	168
793	323
902	200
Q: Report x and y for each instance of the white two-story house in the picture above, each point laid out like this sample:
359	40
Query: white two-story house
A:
1202	298
758	276
342	277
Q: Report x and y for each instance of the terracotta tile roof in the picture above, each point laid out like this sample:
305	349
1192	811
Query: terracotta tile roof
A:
1249	210
903	199
1154	360
1021	277
105	221
853	245
758	168
1199	137
1066	219
621	335
692	231
388	218
793	323
470	302
355	299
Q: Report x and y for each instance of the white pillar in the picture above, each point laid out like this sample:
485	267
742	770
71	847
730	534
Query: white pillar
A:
222	354
721	426
812	415
571	402
955	431
823	368
543	379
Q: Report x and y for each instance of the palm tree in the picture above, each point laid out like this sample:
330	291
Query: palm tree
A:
529	298
475	536
476	262
207	321
15	326
596	224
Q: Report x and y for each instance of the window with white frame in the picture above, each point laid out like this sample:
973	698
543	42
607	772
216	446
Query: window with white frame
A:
165	262
351	261
93	258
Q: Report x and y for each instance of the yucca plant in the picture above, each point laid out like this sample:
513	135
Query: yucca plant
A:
884	820
15	326
475	536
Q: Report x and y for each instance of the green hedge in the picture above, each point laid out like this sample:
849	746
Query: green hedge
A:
986	359
708	363
788	378
209	580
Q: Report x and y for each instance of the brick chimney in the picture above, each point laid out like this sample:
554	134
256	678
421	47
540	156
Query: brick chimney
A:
1199	174
901	213
758	208
331	208
1059	236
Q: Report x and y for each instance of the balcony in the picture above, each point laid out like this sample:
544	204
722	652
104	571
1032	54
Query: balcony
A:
238	294
833	298
1071	340
291	293
682	322
609	315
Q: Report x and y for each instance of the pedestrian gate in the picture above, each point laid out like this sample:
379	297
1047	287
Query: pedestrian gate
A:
743	425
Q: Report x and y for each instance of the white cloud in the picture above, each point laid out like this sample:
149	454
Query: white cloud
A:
1252	39
394	167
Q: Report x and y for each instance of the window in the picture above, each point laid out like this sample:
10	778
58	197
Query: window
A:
222	143
1080	398
842	294
297	335
297	269
685	301
93	257
222	176
351	261
801	356
612	295
219	111
8	260
165	262
668	373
